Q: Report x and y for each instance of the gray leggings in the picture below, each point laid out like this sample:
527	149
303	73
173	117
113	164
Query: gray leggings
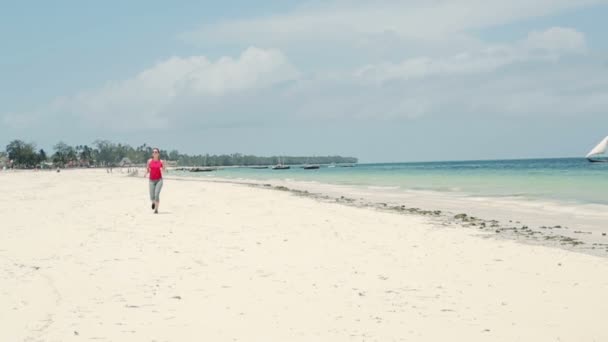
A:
155	186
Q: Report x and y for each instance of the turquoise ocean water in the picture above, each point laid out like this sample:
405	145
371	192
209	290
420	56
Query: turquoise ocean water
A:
568	179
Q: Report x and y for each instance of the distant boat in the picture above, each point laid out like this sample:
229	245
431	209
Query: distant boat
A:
332	165
203	169
308	166
346	165
258	167
596	155
280	166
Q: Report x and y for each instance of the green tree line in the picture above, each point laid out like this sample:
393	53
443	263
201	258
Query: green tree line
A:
103	153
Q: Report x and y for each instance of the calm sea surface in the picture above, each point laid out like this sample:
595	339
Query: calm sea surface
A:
569	179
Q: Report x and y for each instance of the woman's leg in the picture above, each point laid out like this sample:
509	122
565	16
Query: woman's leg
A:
152	187
159	186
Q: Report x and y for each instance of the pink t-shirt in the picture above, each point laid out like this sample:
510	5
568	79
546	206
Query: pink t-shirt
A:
155	169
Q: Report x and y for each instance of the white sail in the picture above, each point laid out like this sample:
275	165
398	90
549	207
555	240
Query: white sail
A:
599	149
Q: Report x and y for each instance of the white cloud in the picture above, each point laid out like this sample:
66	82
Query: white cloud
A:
441	20
556	40
547	45
527	77
145	99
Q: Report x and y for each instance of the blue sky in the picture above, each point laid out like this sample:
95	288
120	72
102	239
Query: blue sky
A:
389	81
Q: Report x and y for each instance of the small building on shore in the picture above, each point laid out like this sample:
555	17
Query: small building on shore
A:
4	162
125	162
47	165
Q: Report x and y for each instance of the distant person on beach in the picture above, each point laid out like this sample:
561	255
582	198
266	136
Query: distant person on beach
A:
155	168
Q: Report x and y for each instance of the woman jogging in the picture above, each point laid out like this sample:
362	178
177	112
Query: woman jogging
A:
155	168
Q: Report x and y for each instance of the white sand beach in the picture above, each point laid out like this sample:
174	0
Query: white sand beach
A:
82	258
584	223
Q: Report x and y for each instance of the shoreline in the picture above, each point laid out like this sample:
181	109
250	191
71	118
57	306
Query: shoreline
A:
555	229
570	226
